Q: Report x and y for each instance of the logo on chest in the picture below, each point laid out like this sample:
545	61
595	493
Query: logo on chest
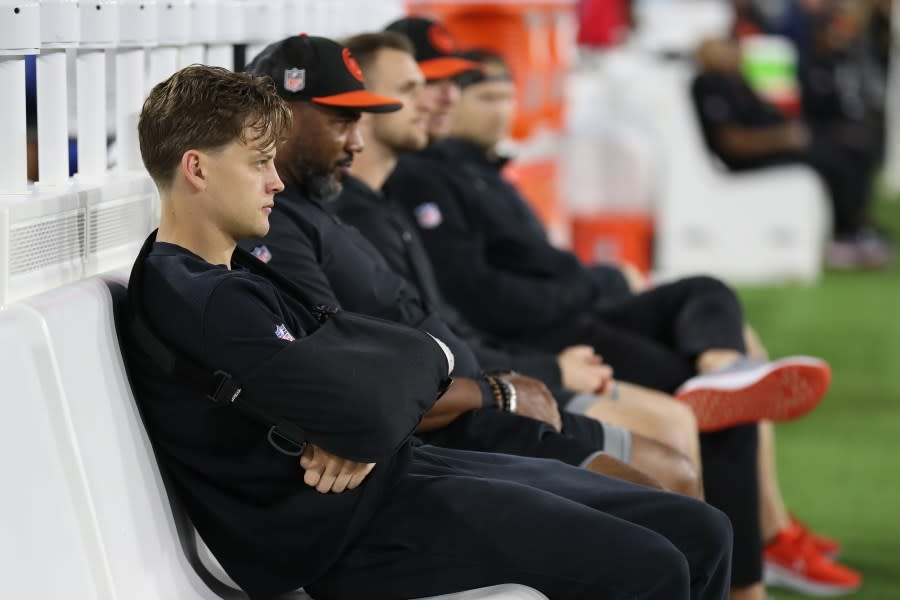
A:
281	332
262	253
428	215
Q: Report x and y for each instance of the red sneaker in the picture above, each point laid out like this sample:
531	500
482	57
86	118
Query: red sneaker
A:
792	562
830	547
751	391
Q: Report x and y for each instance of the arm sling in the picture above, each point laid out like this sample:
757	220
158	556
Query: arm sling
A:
355	385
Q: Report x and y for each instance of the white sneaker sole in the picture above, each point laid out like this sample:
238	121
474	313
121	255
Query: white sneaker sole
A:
778	576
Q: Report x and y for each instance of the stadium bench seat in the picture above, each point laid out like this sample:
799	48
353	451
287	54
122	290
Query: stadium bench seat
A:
93	518
764	226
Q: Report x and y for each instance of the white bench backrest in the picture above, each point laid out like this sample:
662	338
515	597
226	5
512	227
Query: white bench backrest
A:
95	515
49	548
123	481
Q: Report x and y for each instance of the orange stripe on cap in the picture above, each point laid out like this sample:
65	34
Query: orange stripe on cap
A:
446	66
362	99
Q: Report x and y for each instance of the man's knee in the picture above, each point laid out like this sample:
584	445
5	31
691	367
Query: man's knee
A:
678	425
713	532
684	477
709	285
673	469
665	571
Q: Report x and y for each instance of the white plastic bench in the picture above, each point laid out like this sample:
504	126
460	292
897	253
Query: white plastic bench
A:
99	518
763	226
49	547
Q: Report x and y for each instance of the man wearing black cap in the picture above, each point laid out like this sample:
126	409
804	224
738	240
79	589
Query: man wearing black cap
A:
436	52
314	160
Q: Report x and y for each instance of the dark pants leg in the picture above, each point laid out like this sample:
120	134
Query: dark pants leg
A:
462	520
848	179
731	484
489	430
653	338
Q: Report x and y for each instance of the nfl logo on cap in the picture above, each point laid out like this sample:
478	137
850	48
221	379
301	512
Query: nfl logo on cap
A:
294	79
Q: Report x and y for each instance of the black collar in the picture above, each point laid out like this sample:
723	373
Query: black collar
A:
458	149
361	190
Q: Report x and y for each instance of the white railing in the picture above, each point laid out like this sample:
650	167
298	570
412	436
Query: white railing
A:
60	229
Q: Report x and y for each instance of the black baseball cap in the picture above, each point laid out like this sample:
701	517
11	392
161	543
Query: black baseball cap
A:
321	71
436	49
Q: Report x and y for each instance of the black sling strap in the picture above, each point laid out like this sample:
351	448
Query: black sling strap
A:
220	387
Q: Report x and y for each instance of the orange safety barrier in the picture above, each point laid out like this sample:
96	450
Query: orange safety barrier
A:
563	35
614	237
536	38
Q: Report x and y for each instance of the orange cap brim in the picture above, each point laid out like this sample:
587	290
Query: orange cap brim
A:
446	66
363	100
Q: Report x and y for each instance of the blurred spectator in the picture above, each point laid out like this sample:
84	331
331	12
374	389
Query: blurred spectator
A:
746	133
603	23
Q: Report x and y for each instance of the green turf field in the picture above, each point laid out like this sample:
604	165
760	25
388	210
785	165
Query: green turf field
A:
840	466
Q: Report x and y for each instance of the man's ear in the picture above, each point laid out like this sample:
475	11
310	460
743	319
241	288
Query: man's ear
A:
194	166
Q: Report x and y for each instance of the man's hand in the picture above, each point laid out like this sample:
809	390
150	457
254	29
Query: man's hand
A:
329	473
583	371
534	400
637	281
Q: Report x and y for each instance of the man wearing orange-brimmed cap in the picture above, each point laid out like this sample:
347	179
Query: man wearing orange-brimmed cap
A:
322	83
437	54
435	47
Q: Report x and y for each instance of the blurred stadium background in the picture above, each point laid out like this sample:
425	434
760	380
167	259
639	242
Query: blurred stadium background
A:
608	152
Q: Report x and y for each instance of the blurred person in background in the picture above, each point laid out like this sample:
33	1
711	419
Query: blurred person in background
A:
844	83
746	133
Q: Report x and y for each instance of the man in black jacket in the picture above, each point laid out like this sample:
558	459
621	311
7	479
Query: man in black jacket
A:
359	513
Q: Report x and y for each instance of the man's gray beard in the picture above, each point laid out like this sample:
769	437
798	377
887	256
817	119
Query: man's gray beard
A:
319	185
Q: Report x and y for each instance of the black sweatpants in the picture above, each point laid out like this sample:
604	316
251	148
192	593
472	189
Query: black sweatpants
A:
653	339
461	520
491	430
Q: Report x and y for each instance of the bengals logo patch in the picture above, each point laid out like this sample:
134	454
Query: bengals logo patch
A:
352	65
440	39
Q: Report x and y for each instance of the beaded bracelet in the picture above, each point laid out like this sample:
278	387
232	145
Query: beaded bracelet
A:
497	390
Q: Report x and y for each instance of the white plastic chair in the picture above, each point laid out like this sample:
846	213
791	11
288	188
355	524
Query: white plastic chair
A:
755	227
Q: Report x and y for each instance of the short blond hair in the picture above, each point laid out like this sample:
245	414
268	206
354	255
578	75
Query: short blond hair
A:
206	108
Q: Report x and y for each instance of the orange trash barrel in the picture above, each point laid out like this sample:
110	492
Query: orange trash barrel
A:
614	237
